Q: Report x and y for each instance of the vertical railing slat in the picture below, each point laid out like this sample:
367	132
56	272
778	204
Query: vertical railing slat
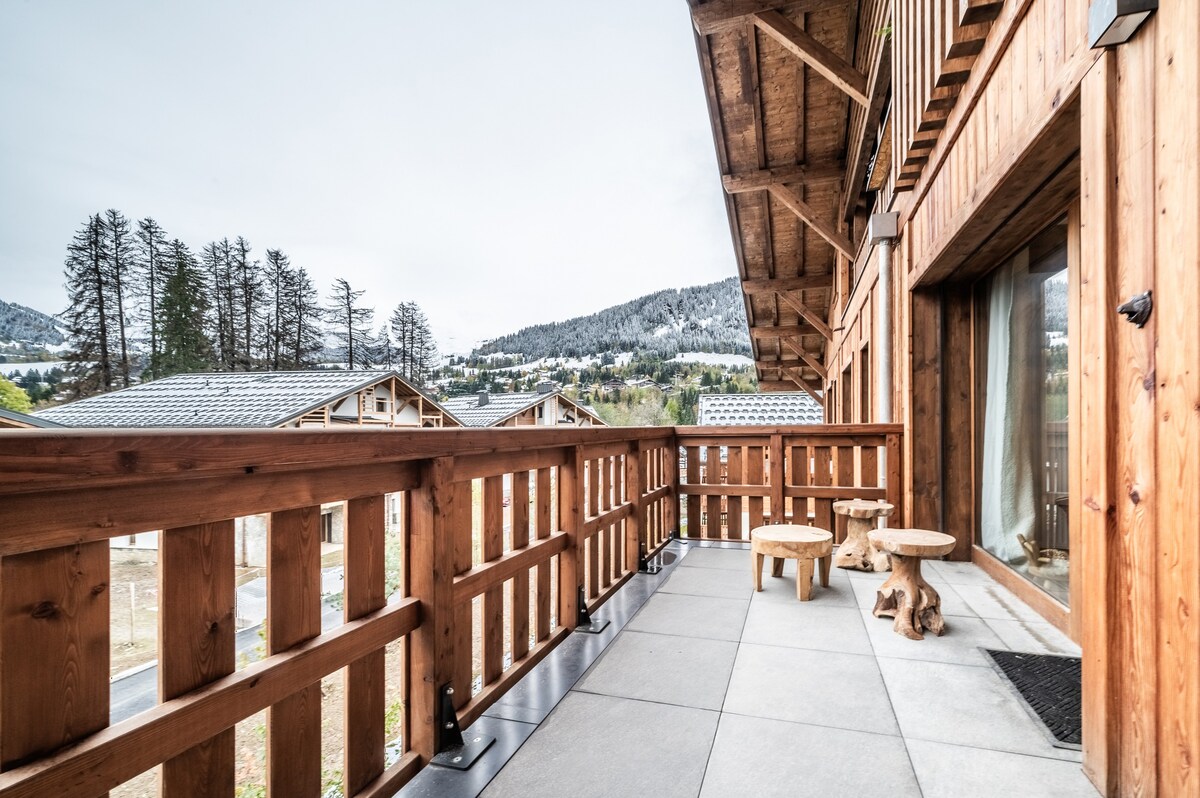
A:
293	616
196	646
519	513
543	524
493	598
364	588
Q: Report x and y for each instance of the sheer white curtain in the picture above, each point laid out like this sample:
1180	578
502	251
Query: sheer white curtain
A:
1008	496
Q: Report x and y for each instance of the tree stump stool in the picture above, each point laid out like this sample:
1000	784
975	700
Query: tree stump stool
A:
856	551
906	596
800	543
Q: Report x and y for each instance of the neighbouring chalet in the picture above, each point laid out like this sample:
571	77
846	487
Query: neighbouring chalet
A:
545	407
11	419
263	399
758	410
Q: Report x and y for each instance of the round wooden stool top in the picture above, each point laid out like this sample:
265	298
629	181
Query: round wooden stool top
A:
912	542
791	540
862	508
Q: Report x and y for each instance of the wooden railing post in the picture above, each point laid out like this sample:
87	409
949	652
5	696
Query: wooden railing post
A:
635	522
294	616
570	517
54	649
364	680
672	474
895	479
777	479
196	646
431	571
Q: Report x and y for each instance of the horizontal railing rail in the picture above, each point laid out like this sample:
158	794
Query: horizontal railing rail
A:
500	535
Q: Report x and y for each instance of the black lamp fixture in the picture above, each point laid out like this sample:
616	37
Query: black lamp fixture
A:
1112	22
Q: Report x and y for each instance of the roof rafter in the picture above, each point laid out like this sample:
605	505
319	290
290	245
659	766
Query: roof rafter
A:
802	209
778	175
720	15
782	330
816	55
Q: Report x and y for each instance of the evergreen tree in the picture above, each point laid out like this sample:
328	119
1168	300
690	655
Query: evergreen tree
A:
385	353
217	261
185	346
151	256
118	257
416	350
88	311
350	324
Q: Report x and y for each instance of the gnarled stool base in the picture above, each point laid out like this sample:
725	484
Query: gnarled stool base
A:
856	552
906	596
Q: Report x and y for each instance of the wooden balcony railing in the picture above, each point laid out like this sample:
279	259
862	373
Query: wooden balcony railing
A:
501	533
737	478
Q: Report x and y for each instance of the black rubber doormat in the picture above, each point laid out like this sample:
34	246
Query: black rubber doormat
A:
1051	687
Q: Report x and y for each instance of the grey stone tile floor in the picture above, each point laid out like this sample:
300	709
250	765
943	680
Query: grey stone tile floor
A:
702	687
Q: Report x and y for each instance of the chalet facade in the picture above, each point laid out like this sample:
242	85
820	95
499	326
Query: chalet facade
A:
937	208
263	399
546	407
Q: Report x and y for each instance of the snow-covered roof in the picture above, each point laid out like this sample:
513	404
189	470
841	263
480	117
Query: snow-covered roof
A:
222	399
759	409
499	406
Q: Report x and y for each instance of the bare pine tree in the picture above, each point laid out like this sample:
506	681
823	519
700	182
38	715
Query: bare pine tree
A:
276	276
118	248
87	315
249	288
350	324
304	320
151	258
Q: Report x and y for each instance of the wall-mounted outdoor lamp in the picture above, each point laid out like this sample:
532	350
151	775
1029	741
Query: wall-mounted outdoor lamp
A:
1113	22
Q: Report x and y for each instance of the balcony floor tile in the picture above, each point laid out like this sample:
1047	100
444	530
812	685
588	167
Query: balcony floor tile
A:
649	666
826	628
821	688
777	759
970	706
713	582
960	644
692	616
595	746
952	771
699	556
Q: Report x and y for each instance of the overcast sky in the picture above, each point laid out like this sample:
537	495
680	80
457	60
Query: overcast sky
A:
500	163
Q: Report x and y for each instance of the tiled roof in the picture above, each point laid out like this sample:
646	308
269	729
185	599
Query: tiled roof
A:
759	409
499	407
238	399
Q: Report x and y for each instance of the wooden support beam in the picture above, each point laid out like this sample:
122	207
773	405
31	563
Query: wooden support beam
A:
779	175
721	15
809	216
816	55
972	11
808	282
811	361
806	313
794	376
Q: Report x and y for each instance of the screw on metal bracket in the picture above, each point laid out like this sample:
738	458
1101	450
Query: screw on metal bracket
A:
453	750
1137	309
583	619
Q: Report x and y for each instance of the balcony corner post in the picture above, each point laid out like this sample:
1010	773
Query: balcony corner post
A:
776	480
570	508
635	522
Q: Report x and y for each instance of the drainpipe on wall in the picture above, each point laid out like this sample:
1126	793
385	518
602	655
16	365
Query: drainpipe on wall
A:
883	228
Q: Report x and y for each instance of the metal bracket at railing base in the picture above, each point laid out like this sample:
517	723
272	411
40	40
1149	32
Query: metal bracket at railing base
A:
455	751
644	565
583	619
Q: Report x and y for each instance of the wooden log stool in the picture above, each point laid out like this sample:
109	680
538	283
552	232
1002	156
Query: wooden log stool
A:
856	551
906	596
790	541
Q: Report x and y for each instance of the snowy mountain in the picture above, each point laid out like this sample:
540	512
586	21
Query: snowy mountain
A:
26	333
705	318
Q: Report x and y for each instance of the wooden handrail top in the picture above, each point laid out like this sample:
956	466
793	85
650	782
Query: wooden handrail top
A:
797	430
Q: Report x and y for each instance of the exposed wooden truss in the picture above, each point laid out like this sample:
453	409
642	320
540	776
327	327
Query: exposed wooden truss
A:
808	359
807	282
807	313
721	15
795	376
822	60
802	209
